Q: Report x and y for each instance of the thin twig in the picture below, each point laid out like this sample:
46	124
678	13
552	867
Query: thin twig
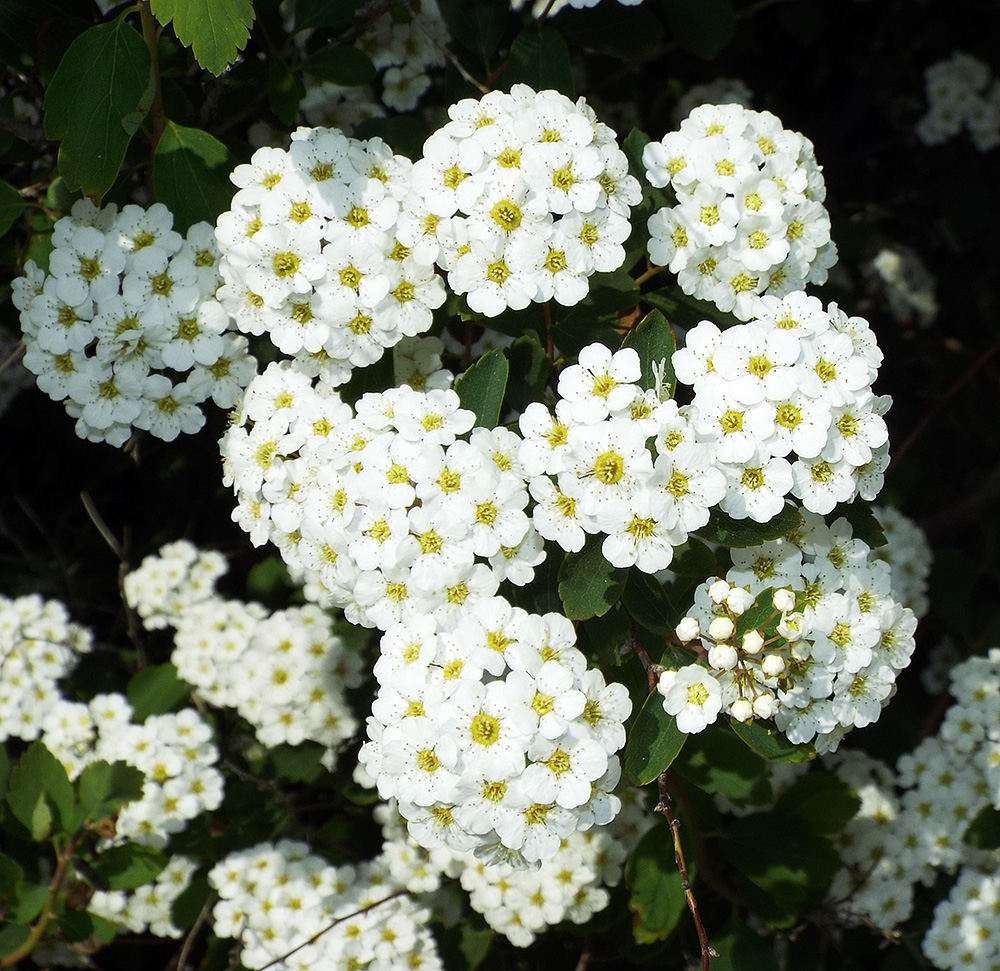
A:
102	526
444	50
185	952
15	355
550	349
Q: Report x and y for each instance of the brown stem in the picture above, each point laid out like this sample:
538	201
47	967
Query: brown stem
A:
549	346
651	271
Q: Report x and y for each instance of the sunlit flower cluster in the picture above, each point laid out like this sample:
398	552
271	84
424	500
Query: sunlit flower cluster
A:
794	383
749	217
961	92
827	638
124	327
293	911
918	821
908	286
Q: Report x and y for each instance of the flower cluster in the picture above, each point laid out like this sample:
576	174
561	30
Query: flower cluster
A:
797	381
961	91
908	286
719	91
39	644
914	822
124	327
285	672
322	250
819	651
293	911
533	196
749	217
909	557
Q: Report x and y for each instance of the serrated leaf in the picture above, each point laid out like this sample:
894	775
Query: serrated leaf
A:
654	342
191	175
481	388
540	59
657	893
104	787
215	30
743	533
764	738
11	206
984	830
824	801
154	691
349	67
703	27
129	865
588	584
653	743
96	101
647	601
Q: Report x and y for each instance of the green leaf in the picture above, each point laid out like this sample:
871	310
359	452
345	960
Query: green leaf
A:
540	59
654	341
760	615
11	206
154	691
129	866
191	175
647	601
825	802
215	30
104	787
652	200
741	949
743	533
984	830
764	738
188	905
284	91
298	763
687	311
529	371
588	584
405	133
27	901
541	596
601	638
12	936
310	14
863	522
466	943
481	388
630	33
96	101
657	894
10	874
478	26
346	66
694	559
718	762
653	743
40	792
782	855
703	27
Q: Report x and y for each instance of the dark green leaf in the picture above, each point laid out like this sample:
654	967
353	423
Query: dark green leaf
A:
154	691
601	638
374	377
129	866
540	59
185	909
94	103
863	522
657	895
349	67
588	584
652	199
27	901
653	743
758	616
694	559
541	596
465	944
481	388
654	341
191	175
404	133
741	949
825	802
743	533
686	311
40	792
764	738
646	600
284	91
105	787
12	936
703	27
11	206
782	855
529	371
298	763
215	30
609	29
984	830
718	762
10	873
477	26
310	14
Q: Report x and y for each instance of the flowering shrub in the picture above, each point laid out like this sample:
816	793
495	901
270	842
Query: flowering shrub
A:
523	600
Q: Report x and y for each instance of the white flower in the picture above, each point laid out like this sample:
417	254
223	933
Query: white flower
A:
692	695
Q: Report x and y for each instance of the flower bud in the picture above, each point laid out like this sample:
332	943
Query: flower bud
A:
764	706
720	629
723	657
718	591
739	599
784	600
752	642
688	629
741	710
773	665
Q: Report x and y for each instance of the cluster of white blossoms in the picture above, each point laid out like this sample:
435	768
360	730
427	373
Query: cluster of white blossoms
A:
824	660
293	911
322	251
749	217
961	91
719	91
909	556
908	286
529	195
39	644
284	672
913	822
124	327
794	382
147	908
